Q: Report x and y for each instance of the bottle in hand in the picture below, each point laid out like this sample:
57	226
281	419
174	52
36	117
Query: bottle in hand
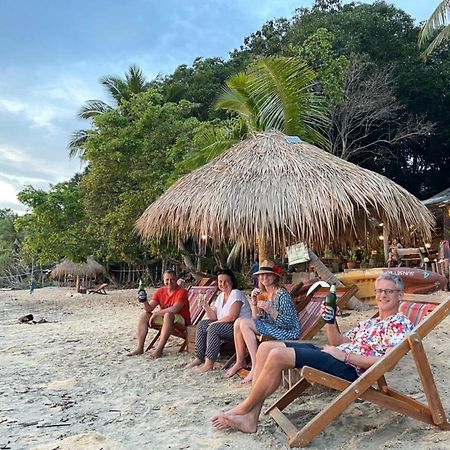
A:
142	293
329	313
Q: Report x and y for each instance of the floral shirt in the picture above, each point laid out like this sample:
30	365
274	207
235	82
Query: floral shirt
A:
373	337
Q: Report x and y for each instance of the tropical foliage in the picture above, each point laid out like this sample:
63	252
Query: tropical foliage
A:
294	74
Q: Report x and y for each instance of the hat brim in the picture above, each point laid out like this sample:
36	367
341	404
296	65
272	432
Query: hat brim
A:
260	272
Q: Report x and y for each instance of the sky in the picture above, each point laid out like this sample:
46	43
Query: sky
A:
54	52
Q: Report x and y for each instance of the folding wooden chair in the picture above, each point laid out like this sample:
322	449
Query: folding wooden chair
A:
362	388
196	312
99	289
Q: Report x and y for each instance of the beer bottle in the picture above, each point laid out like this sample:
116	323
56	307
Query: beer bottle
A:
329	313
142	293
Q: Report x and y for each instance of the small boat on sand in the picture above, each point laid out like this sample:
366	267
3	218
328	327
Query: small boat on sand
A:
417	281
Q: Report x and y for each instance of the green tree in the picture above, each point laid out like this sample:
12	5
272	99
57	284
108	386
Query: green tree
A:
119	89
55	227
10	238
131	156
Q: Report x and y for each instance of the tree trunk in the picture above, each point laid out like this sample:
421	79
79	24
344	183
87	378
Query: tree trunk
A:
77	283
326	275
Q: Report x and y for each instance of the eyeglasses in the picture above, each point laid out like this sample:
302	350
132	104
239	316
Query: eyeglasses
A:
386	291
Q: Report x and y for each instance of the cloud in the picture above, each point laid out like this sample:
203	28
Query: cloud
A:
10	153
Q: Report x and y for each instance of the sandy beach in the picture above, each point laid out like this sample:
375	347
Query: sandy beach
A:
68	384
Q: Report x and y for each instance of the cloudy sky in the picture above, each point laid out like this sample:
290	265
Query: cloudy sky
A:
54	52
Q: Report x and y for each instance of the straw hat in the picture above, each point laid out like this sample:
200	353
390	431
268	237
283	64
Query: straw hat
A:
267	267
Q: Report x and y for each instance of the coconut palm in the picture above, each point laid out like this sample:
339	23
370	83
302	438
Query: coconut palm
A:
119	89
273	93
438	19
277	93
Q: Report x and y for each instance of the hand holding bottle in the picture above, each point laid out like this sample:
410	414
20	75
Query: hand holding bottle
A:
329	308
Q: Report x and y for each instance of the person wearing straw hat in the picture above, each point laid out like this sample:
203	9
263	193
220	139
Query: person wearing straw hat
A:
273	315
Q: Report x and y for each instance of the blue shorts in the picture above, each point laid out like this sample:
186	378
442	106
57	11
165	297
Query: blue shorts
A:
312	356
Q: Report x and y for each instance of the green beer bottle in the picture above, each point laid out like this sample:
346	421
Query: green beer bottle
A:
142	293
329	315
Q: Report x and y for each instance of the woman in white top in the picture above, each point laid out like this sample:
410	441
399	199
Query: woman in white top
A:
231	304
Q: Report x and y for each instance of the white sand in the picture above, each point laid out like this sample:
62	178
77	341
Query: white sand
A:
67	384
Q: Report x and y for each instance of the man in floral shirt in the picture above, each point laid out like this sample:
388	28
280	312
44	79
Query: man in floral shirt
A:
346	356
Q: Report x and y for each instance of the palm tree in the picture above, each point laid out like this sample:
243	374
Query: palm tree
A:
119	89
273	93
277	93
438	19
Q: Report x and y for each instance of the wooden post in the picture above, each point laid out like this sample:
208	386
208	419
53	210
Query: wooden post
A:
386	242
265	250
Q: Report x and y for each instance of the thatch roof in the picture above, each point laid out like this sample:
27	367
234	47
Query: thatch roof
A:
89	268
439	200
265	187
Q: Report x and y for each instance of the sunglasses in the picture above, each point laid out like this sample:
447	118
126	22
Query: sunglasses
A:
386	291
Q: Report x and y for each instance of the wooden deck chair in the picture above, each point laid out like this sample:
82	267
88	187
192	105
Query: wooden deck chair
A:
196	312
99	289
363	388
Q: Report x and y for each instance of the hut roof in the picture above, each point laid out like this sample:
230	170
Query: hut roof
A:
441	199
265	187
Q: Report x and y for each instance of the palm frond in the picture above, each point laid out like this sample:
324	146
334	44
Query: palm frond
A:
77	143
443	36
135	79
438	19
93	108
213	140
283	89
236	97
116	86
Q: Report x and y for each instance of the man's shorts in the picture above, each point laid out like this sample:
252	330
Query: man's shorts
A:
178	320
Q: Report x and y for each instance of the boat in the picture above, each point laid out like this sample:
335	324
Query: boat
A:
416	281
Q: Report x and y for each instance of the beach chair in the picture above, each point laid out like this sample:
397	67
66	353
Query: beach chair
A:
427	311
196	312
99	289
207	281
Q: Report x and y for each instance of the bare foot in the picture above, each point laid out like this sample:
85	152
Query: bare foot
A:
248	378
245	423
155	354
233	370
135	352
195	362
203	369
219	423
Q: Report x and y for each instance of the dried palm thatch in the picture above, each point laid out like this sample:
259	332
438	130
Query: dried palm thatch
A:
267	188
93	268
66	268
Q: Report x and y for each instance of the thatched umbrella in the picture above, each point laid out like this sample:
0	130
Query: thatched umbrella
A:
63	269
267	190
89	268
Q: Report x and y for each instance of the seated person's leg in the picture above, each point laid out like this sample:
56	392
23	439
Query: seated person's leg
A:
312	356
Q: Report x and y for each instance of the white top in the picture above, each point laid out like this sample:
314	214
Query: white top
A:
235	296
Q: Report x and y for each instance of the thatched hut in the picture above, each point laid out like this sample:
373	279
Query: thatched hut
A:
267	189
439	205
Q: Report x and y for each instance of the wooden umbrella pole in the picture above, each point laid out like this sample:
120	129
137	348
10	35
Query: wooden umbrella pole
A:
326	275
265	250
